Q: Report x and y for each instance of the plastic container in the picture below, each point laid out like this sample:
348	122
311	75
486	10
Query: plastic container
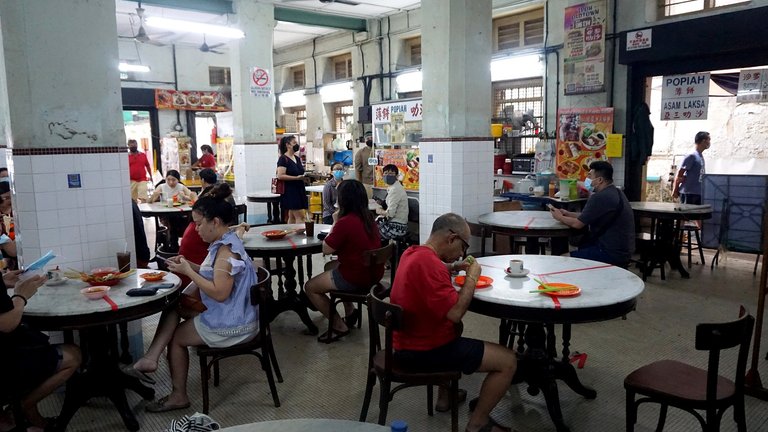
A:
498	162
507	166
399	426
568	189
496	130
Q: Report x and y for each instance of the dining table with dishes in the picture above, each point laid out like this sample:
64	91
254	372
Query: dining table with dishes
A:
272	200
538	292
532	225
666	238
93	303
288	244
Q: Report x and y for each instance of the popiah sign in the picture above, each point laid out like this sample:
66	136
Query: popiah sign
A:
685	97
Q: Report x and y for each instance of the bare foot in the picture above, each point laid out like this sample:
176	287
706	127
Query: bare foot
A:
145	365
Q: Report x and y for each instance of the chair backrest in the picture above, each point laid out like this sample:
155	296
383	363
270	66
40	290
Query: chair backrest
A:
719	336
241	210
376	258
387	315
476	230
261	296
413	209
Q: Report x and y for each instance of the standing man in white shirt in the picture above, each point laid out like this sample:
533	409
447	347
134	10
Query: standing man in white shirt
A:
393	221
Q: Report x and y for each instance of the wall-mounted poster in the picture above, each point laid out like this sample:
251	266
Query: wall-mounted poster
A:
584	61
191	100
582	134
406	161
685	97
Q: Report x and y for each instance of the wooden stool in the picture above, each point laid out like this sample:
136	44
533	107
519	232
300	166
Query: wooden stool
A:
317	216
692	229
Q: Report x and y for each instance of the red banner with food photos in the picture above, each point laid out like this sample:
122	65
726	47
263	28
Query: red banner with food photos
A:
582	134
191	100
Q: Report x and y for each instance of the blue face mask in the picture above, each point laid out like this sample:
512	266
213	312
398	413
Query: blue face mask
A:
390	179
588	184
338	174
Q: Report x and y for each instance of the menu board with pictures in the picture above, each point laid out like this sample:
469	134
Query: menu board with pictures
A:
191	100
581	139
584	60
407	163
397	122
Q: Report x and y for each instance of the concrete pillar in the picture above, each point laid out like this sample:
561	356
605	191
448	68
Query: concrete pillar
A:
456	152
61	114
255	148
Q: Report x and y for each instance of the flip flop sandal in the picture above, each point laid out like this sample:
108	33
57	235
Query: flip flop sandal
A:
488	427
460	398
335	335
139	375
161	405
352	319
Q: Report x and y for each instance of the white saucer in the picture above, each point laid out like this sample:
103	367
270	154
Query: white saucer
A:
58	282
523	274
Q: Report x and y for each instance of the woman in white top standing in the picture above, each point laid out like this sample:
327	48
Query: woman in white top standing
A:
172	189
393	222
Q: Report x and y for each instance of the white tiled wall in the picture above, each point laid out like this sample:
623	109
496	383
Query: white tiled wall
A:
84	226
457	180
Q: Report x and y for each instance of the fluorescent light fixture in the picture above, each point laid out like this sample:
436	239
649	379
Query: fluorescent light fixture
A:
127	67
195	27
336	92
409	82
292	98
525	66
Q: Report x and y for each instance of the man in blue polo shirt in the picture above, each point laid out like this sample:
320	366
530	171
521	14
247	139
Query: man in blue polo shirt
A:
688	180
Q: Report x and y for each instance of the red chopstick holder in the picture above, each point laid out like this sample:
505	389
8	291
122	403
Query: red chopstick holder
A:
293	245
576	270
555	300
529	223
112	304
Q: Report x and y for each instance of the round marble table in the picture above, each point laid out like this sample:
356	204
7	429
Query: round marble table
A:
161	209
291	247
315	189
607	292
529	224
63	307
308	425
273	204
666	221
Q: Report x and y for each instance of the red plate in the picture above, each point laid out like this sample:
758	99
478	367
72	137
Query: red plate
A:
570	291
482	281
274	234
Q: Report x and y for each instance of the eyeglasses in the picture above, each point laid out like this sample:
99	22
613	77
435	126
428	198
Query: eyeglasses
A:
466	244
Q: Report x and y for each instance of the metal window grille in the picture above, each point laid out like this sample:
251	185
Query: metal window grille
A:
343	114
519	95
679	7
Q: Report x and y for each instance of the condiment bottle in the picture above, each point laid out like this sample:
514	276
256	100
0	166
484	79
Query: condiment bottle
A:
551	189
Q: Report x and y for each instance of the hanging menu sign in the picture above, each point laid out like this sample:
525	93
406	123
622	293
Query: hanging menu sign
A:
191	100
753	86
581	139
584	62
685	97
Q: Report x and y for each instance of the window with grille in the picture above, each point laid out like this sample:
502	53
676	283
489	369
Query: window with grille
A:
413	51
679	7
521	96
218	75
342	115
522	30
297	76
342	66
301	117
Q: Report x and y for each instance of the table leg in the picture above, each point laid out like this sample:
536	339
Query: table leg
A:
294	299
532	245
270	215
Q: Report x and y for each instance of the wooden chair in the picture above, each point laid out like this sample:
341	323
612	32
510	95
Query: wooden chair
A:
371	259
669	382
381	364
241	213
261	346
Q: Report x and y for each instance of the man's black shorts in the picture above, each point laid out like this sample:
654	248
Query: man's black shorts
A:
462	354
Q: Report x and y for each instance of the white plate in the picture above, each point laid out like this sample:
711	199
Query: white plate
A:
523	274
58	282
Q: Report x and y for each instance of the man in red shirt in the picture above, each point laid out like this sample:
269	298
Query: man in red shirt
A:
137	166
432	313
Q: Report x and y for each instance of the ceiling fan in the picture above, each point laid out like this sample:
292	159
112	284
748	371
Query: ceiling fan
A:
210	48
141	35
346	2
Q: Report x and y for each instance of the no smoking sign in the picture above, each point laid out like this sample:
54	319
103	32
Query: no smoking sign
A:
260	83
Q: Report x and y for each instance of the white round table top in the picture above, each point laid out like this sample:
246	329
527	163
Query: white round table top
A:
308	425
66	299
255	240
601	284
161	207
527	220
315	188
263	194
668	207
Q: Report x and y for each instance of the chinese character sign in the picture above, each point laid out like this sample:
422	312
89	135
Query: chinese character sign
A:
584	62
685	97
753	86
397	122
582	135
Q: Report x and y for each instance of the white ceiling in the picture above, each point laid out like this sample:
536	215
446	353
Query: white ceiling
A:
285	33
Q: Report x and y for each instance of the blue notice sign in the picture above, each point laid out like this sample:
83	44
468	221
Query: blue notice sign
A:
73	180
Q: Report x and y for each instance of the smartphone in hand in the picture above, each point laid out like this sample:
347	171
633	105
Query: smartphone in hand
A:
550	207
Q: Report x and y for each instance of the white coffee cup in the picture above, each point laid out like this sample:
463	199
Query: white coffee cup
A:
169	202
54	275
516	266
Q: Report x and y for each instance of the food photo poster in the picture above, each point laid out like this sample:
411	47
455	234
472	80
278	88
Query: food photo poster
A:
582	135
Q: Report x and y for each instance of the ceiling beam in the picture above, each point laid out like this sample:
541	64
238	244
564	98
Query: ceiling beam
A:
320	20
218	7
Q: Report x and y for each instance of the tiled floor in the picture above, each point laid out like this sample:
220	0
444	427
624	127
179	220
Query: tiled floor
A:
328	380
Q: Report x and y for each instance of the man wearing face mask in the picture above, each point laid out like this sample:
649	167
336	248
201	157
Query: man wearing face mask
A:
688	181
393	222
363	171
611	235
330	192
137	166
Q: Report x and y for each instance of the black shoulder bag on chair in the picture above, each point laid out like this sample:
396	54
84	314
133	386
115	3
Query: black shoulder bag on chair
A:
586	238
